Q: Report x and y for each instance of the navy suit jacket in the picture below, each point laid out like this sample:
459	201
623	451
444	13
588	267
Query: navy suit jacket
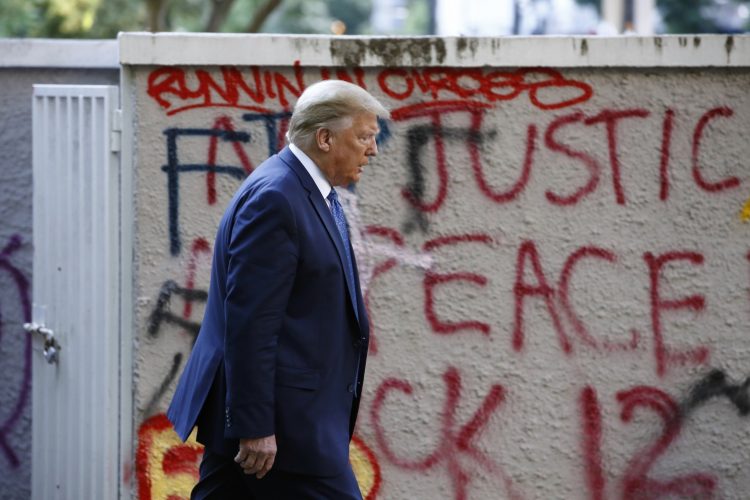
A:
281	349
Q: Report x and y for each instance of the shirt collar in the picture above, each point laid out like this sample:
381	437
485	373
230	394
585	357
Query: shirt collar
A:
317	176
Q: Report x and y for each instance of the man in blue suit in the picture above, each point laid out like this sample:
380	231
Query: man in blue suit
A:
274	379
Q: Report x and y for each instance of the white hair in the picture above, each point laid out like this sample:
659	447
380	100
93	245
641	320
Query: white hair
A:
329	104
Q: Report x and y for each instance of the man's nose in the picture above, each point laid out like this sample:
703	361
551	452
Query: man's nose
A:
373	149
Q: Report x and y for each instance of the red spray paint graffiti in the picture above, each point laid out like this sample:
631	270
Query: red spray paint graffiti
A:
522	290
380	269
401	84
200	246
711	187
636	483
166	468
222	123
432	280
171	88
585	181
665	356
567	308
470	95
454	441
592	443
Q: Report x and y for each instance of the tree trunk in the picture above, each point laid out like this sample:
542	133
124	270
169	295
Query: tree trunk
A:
219	12
157	14
261	14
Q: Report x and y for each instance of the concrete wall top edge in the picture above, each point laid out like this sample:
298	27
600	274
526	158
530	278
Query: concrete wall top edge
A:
52	53
316	50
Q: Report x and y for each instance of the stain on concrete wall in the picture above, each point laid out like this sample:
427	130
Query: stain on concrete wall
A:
554	260
15	264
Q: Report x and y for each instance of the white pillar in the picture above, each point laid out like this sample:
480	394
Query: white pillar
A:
643	16
613	13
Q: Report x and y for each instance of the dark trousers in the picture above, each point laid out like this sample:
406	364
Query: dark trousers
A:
222	479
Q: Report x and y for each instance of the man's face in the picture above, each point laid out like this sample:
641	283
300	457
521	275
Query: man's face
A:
351	148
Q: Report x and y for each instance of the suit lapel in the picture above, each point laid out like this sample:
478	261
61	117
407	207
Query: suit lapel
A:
324	214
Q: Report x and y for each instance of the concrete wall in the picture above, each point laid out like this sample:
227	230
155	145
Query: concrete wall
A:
22	64
555	261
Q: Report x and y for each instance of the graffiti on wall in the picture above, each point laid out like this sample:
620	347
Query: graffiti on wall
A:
20	285
167	468
512	287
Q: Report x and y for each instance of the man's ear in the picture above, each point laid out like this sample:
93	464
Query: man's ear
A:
323	139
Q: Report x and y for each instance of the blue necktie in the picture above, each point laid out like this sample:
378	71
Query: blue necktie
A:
338	216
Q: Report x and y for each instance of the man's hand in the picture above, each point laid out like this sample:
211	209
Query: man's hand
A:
256	456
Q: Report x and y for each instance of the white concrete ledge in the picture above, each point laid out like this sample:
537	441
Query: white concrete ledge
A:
46	53
556	51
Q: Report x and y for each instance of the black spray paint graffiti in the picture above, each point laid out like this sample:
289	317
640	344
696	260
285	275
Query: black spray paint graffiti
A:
156	397
275	125
22	287
417	138
714	385
162	314
174	168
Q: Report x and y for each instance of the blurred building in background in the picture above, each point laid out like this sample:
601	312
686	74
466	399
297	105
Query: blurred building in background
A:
558	17
519	17
105	18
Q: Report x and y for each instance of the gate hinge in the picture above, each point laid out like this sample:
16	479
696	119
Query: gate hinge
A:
115	136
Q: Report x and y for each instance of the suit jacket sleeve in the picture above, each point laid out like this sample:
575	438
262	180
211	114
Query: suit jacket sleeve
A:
261	266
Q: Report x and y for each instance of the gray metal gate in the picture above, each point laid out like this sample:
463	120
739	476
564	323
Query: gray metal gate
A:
75	319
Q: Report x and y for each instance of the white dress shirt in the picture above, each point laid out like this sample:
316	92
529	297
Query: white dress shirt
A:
323	185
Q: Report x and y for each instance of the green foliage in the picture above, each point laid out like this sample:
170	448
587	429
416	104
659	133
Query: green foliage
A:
188	15
69	18
114	16
65	18
418	20
299	16
686	16
305	16
105	18
17	17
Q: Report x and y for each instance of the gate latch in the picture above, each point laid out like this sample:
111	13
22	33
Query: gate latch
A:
51	347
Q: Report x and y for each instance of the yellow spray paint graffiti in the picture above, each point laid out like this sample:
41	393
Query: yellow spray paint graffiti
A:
745	213
167	468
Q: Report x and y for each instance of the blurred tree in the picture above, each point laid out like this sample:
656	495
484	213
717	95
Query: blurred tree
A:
687	16
61	18
105	18
418	19
17	17
355	14
210	15
70	17
300	16
114	16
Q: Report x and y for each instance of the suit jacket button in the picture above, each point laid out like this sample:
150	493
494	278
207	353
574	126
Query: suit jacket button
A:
350	388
